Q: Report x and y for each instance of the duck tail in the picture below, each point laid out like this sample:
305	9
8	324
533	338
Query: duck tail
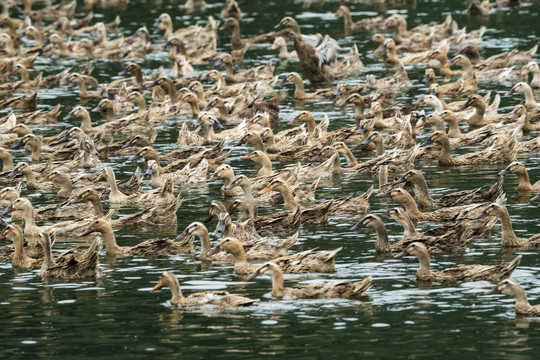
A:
95	247
287	243
360	287
496	190
512	265
330	255
532	51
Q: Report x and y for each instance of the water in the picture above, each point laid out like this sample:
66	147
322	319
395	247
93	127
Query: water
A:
118	316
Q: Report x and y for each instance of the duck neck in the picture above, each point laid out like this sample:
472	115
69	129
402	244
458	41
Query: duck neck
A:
524	181
35	148
468	69
246	187
228	231
7	162
240	259
445	156
408	227
86	122
288	198
530	103
48	260
351	159
229	72
522	302
382	244
66	187
96	204
424	198
31	181
114	187
206	245
359	111
424	271
410	207
177	296
278	289
266	166
108	112
453	129
195	109
30	227
137	72
25	76
299	91
141	104
400	33
478	117
257	143
111	247
271	145
379	146
509	238
311	124
208	134
236	39
283	51
348	19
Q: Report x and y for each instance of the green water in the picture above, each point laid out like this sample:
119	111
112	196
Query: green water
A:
118	316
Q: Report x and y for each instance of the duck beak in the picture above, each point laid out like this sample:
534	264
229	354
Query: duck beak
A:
481	215
207	107
504	172
418	102
214	251
401	254
495	290
283	81
217	125
359	225
254	275
8	210
450	63
158	286
511	92
400	180
97	109
86	232
421	123
137	156
385	211
123	72
316	157
427	142
513	115
18	145
75	200
8	131
13	173
345	103
361	130
383	195
383	49
279	26
268	188
366	142
535	197
167	45
184	234
3	223
126	145
525	71
426	79
294	121
230	186
245	157
208	218
221	227
148	171
140	87
219	62
42	180
69	116
94	151
466	105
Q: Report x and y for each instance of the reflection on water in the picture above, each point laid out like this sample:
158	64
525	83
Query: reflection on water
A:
399	317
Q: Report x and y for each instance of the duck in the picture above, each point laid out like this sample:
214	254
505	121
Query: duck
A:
494	154
299	92
244	230
313	215
63	180
442	214
306	261
69	266
360	25
80	80
260	158
284	54
116	196
20	102
464	197
7	160
231	9
199	230
454	240
262	72
161	247
389	48
236	40
28	173
479	8
226	173
521	171
526	89
19	259
328	290
509	238
512	287
399	80
535	69
502	75
218	299
25	85
478	118
501	60
520	110
459	273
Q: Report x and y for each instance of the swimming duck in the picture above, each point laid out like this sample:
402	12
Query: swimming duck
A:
329	290
199	230
371	23
526	89
219	299
520	170
509	238
69	266
299	92
20	102
459	273
520	110
284	54
464	197
226	173
306	261
503	74
398	80
28	173
535	69
19	258
262	72
231	9
512	287
236	40
389	48
479	8
442	214
160	247
451	241
492	155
